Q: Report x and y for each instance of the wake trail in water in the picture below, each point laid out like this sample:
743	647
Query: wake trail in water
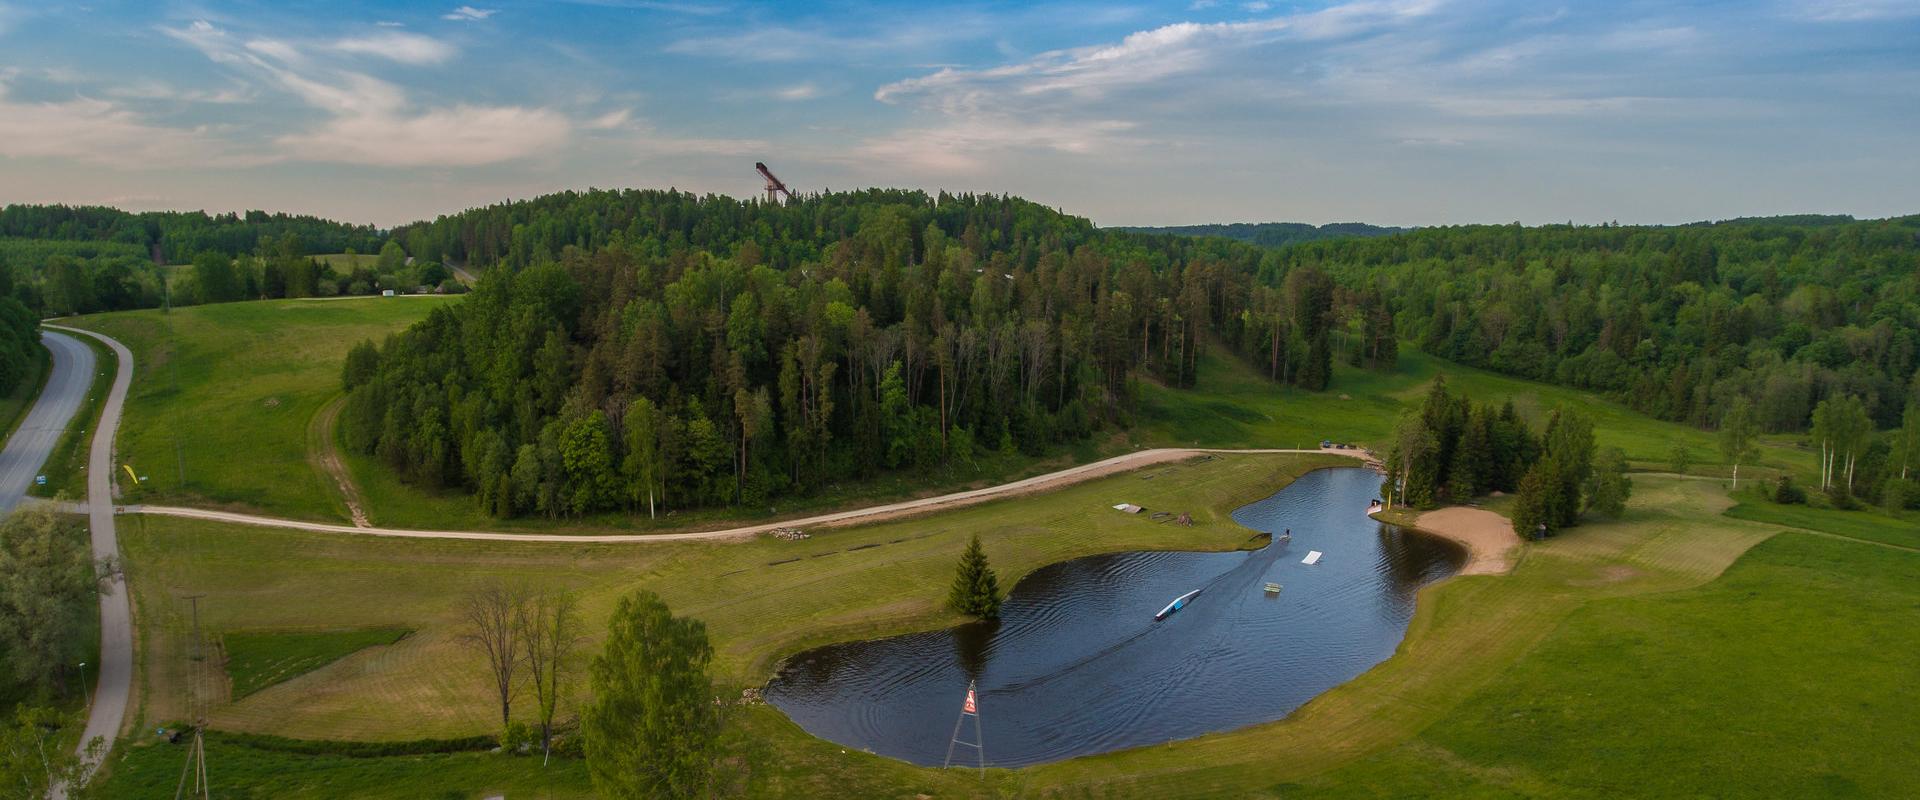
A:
1243	573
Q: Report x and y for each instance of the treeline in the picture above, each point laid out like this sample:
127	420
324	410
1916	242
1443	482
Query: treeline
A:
658	349
1453	450
1273	234
1675	322
177	236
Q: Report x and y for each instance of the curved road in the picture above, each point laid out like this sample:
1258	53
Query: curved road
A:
1037	483
30	446
116	630
115	671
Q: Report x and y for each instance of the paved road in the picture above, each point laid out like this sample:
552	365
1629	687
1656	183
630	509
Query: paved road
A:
27	451
115	671
1051	480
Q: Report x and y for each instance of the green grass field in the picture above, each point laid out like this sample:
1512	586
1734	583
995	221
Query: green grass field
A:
1233	405
223	393
259	659
1870	525
1532	654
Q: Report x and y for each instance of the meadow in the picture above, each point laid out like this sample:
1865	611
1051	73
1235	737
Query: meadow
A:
223	394
1487	659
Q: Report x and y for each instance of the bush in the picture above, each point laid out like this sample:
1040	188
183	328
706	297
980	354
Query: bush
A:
1842	499
324	747
517	738
1900	494
1785	493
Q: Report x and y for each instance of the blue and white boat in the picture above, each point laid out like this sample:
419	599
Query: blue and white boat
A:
1177	604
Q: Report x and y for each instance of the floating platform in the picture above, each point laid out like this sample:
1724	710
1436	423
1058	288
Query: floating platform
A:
1313	557
1177	604
1273	588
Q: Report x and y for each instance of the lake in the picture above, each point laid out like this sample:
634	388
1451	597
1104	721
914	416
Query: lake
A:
1077	665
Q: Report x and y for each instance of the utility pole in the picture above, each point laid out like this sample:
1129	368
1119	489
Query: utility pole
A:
196	707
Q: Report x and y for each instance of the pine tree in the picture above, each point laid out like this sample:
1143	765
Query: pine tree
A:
1536	502
1472	459
976	590
1609	487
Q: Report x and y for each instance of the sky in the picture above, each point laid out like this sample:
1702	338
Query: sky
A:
1398	112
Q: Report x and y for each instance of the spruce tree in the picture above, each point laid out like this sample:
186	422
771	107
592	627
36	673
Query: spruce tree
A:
976	590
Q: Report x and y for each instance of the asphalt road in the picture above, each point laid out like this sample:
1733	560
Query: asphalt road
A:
27	451
115	671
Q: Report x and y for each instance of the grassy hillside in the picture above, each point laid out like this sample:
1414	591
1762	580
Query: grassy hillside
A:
222	395
1489	662
1233	405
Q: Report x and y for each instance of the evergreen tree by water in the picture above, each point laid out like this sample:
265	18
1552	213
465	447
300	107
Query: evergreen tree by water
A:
976	590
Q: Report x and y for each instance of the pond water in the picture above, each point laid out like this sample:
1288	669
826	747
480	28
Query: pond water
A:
1077	665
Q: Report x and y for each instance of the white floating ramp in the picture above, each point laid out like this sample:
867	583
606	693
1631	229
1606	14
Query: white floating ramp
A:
1313	557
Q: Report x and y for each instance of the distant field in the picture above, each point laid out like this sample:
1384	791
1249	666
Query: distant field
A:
1235	406
1872	525
222	395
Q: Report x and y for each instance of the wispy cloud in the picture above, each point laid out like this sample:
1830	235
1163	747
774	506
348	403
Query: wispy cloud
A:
101	133
1853	10
406	48
372	121
798	91
469	14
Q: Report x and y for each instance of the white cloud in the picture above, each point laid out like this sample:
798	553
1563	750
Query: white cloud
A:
469	14
462	136
100	133
799	91
372	121
406	48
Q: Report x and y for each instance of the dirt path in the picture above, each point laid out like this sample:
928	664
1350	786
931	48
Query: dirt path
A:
1488	537
325	457
861	516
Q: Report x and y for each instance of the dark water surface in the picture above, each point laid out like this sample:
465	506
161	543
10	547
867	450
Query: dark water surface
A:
1077	665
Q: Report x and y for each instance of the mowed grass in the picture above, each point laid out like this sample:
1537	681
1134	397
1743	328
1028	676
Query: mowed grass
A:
259	659
1867	524
1234	405
1791	676
1542	646
222	395
761	600
147	767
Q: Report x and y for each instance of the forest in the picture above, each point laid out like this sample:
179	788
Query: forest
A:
1676	322
1273	234
645	347
175	237
56	277
647	350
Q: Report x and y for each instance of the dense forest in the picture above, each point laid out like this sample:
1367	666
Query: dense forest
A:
659	349
765	346
1273	234
1674	321
177	236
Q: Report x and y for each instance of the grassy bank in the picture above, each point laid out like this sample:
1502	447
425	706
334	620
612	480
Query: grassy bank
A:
66	467
222	395
1487	659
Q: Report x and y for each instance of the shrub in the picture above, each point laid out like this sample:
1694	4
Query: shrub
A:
1786	493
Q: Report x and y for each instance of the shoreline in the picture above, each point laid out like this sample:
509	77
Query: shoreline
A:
1488	537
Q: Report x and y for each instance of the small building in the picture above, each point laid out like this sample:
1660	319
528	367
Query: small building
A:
386	292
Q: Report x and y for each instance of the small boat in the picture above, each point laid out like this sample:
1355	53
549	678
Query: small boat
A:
1177	604
1273	588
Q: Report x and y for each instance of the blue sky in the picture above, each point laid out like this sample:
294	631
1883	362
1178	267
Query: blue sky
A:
1388	111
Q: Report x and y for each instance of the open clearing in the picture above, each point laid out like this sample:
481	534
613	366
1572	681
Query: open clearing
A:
1524	643
223	394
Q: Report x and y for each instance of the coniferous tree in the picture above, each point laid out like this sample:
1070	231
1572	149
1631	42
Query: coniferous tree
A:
1609	487
976	590
1536	502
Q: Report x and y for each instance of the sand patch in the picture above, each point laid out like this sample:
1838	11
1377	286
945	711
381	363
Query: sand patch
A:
1488	537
